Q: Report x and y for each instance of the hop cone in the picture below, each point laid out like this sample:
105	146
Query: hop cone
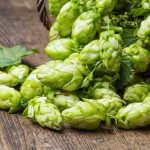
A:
61	48
64	75
144	31
90	53
136	93
62	99
105	6
84	115
133	116
55	6
19	72
102	90
68	14
138	56
85	27
9	99
7	79
110	50
44	113
32	86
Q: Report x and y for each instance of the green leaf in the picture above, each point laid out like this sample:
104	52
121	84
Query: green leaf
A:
140	12
128	37
125	73
12	56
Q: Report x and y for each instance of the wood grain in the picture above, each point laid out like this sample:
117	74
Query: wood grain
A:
20	24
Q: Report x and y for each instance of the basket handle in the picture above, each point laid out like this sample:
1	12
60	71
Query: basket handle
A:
44	13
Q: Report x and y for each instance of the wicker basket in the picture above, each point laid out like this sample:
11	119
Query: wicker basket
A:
44	14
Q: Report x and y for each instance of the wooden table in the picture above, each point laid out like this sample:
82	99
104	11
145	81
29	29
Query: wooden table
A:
20	24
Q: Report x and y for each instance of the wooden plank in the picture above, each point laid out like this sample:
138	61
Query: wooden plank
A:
20	24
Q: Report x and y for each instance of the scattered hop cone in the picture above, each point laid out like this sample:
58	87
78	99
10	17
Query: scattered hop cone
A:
144	31
62	99
110	50
90	53
85	27
19	72
53	33
60	49
68	14
105	6
84	115
32	86
133	116
136	93
138	56
7	79
44	113
9	99
55	6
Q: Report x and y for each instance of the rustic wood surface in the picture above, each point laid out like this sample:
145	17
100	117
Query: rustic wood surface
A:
20	24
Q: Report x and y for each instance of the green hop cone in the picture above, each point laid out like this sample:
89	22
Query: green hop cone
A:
112	106
145	4
60	49
90	53
102	90
44	113
133	116
20	72
110	50
136	93
7	79
63	75
85	27
68	14
144	31
53	33
9	99
55	6
138	56
62	99
105	6
32	86
84	115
